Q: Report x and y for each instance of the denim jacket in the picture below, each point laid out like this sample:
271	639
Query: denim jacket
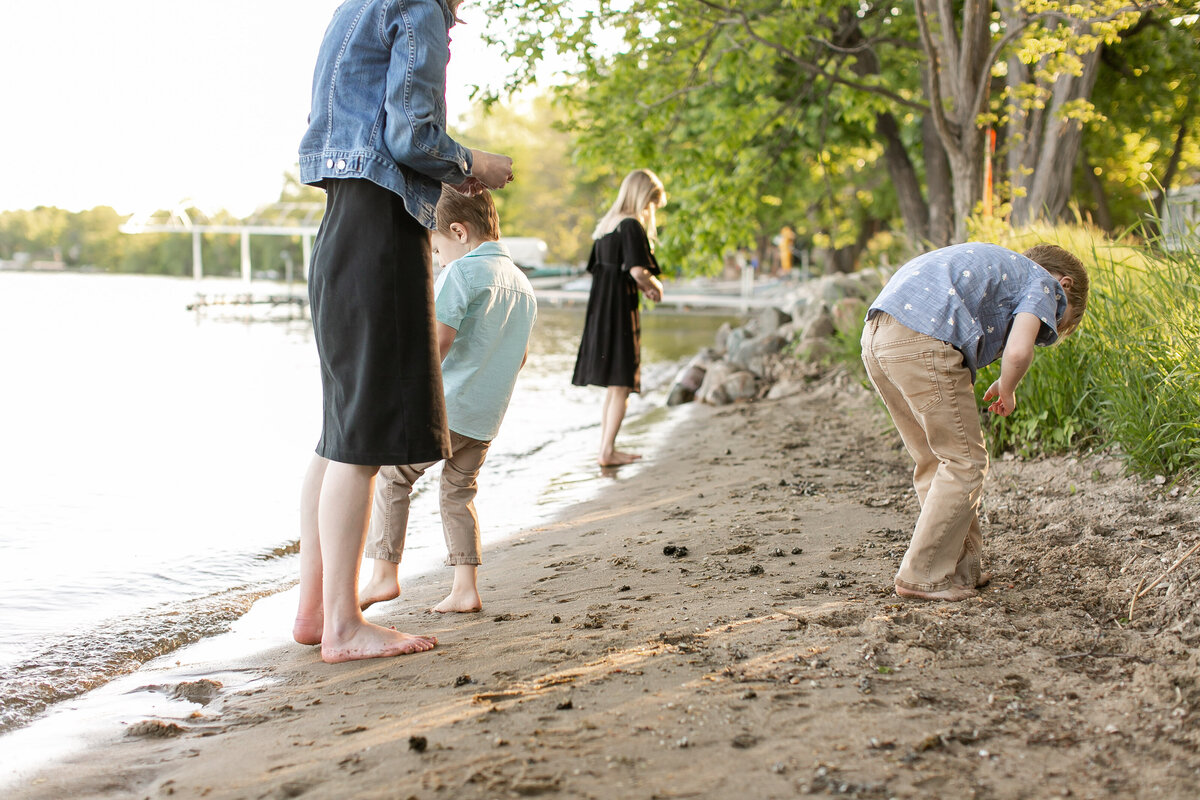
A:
379	103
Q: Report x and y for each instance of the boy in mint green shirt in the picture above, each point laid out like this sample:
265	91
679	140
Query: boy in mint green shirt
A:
485	311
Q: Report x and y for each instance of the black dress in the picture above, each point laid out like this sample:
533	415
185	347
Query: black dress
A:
371	296
610	352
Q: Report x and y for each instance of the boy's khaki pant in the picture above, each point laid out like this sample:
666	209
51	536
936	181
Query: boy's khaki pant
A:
460	524
929	394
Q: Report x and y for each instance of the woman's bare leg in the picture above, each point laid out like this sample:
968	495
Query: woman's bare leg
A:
342	514
309	617
616	400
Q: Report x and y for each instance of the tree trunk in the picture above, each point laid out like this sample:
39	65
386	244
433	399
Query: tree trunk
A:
1057	145
937	181
1172	163
913	208
957	83
1103	217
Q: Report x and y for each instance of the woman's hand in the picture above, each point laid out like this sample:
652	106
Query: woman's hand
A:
490	170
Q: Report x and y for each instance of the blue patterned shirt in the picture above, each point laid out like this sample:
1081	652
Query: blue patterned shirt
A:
968	295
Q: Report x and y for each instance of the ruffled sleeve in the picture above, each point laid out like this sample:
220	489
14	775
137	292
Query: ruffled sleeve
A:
635	247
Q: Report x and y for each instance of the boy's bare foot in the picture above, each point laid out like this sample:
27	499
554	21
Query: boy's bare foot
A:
984	579
376	592
952	594
461	601
307	628
617	458
372	641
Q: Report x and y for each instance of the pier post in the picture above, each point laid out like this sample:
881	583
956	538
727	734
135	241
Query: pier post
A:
197	259
246	258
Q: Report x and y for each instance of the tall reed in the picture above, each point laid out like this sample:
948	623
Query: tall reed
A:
1130	378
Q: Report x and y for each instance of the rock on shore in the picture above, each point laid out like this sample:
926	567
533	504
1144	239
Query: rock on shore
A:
763	355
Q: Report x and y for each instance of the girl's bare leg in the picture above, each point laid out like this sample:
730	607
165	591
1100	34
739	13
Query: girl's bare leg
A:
342	516
464	594
616	400
309	617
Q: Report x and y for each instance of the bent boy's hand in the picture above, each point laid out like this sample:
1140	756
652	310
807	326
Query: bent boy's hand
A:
1004	402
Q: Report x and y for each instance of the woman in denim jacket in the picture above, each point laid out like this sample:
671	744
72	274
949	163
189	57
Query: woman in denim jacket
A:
377	144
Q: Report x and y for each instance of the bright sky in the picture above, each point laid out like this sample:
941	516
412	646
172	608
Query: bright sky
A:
139	104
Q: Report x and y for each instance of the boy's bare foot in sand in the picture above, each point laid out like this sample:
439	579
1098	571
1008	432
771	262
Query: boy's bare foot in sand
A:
616	459
464	594
365	640
952	594
383	585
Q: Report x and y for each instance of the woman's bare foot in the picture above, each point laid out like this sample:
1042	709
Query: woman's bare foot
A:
307	627
372	641
617	458
952	594
375	592
463	601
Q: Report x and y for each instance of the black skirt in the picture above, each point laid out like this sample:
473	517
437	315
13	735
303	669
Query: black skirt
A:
370	291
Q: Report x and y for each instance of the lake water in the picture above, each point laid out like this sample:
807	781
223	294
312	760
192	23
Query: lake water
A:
152	460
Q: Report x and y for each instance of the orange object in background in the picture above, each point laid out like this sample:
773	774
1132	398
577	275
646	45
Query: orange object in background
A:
787	237
988	153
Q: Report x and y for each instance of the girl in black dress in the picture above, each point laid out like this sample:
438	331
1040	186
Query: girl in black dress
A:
622	264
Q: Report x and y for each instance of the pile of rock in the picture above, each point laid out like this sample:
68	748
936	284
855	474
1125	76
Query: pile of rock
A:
746	362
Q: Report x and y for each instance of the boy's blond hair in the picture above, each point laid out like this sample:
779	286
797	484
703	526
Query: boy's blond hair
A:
478	213
1060	263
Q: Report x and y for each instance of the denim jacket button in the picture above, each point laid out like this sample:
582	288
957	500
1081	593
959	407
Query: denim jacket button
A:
329	163
341	164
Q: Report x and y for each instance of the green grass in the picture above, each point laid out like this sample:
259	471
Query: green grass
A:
1129	379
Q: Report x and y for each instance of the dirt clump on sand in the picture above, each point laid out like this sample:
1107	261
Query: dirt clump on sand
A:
720	623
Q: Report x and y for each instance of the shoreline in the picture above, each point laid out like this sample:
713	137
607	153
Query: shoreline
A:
98	715
728	602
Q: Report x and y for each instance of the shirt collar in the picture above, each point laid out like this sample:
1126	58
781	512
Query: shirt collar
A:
489	249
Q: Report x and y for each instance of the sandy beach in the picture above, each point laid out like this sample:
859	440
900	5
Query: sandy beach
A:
720	623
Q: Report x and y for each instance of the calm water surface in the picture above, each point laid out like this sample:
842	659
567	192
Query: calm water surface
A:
153	456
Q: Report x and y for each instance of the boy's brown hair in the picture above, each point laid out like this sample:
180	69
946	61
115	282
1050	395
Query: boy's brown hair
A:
1060	263
478	213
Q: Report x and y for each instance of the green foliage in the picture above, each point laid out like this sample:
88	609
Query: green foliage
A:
1148	92
93	239
553	198
1130	378
760	113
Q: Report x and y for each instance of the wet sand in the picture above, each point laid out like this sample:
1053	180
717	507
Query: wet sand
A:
721	623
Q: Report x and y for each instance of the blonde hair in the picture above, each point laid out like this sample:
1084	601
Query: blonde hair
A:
641	192
478	213
1060	263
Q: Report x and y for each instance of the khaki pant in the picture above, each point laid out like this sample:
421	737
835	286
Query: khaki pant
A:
460	524
928	392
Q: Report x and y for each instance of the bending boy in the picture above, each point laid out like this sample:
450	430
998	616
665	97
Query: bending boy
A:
485	314
942	317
